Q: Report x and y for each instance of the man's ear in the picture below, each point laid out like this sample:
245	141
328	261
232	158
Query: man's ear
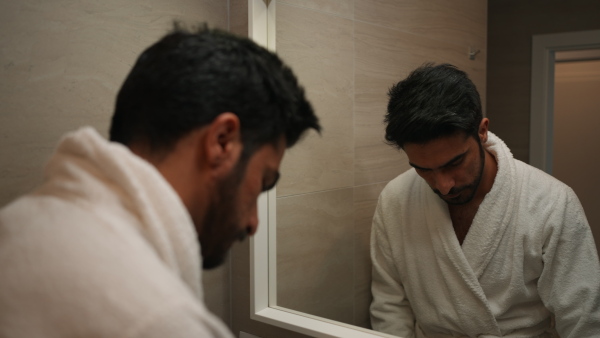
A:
483	129
223	142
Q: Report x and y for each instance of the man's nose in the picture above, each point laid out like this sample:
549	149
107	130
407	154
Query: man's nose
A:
252	224
443	182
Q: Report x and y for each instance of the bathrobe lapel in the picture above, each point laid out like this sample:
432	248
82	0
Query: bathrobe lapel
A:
492	219
466	293
463	266
165	222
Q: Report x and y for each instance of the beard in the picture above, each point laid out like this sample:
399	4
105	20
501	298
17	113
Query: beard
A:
467	192
221	224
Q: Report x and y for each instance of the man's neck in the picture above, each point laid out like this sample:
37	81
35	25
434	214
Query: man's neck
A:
462	215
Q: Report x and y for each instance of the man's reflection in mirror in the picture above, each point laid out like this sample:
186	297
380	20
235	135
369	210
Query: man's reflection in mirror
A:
471	241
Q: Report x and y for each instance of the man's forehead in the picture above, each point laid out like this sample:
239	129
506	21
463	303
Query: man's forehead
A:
437	152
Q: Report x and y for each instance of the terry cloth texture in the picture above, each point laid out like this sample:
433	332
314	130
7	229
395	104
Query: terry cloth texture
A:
528	256
104	248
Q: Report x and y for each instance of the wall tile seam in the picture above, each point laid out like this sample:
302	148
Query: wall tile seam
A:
318	191
378	182
354	113
384	182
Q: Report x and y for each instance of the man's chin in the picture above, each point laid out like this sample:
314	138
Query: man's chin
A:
213	261
455	201
464	197
218	255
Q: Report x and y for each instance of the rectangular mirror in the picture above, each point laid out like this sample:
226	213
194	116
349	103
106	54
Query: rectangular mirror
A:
311	254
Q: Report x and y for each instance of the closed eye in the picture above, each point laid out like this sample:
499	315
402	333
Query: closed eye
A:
456	162
270	185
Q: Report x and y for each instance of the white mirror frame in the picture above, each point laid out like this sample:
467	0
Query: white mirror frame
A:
263	273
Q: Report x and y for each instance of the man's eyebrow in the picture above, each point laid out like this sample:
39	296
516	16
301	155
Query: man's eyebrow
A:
416	166
273	183
454	159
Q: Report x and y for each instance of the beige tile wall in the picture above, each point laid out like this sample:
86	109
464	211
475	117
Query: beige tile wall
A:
347	54
318	228
321	46
343	8
62	63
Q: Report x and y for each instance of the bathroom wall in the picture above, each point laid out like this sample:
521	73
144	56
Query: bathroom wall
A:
347	54
62	63
511	25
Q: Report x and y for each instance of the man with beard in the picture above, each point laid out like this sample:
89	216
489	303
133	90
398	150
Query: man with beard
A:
108	245
472	242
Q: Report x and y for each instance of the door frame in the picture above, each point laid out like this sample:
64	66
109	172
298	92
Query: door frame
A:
544	48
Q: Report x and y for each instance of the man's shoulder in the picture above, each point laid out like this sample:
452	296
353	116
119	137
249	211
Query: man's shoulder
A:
541	193
404	180
539	180
401	190
89	270
401	185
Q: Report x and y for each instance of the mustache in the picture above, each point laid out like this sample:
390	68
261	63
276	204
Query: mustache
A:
241	236
452	191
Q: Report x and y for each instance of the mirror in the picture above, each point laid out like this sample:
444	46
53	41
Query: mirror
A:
346	54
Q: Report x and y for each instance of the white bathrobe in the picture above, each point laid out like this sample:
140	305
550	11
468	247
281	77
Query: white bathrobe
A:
104	248
528	256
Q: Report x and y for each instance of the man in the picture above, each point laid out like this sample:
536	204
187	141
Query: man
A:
108	245
472	242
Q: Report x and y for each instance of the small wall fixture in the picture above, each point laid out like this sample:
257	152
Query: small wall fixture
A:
472	53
